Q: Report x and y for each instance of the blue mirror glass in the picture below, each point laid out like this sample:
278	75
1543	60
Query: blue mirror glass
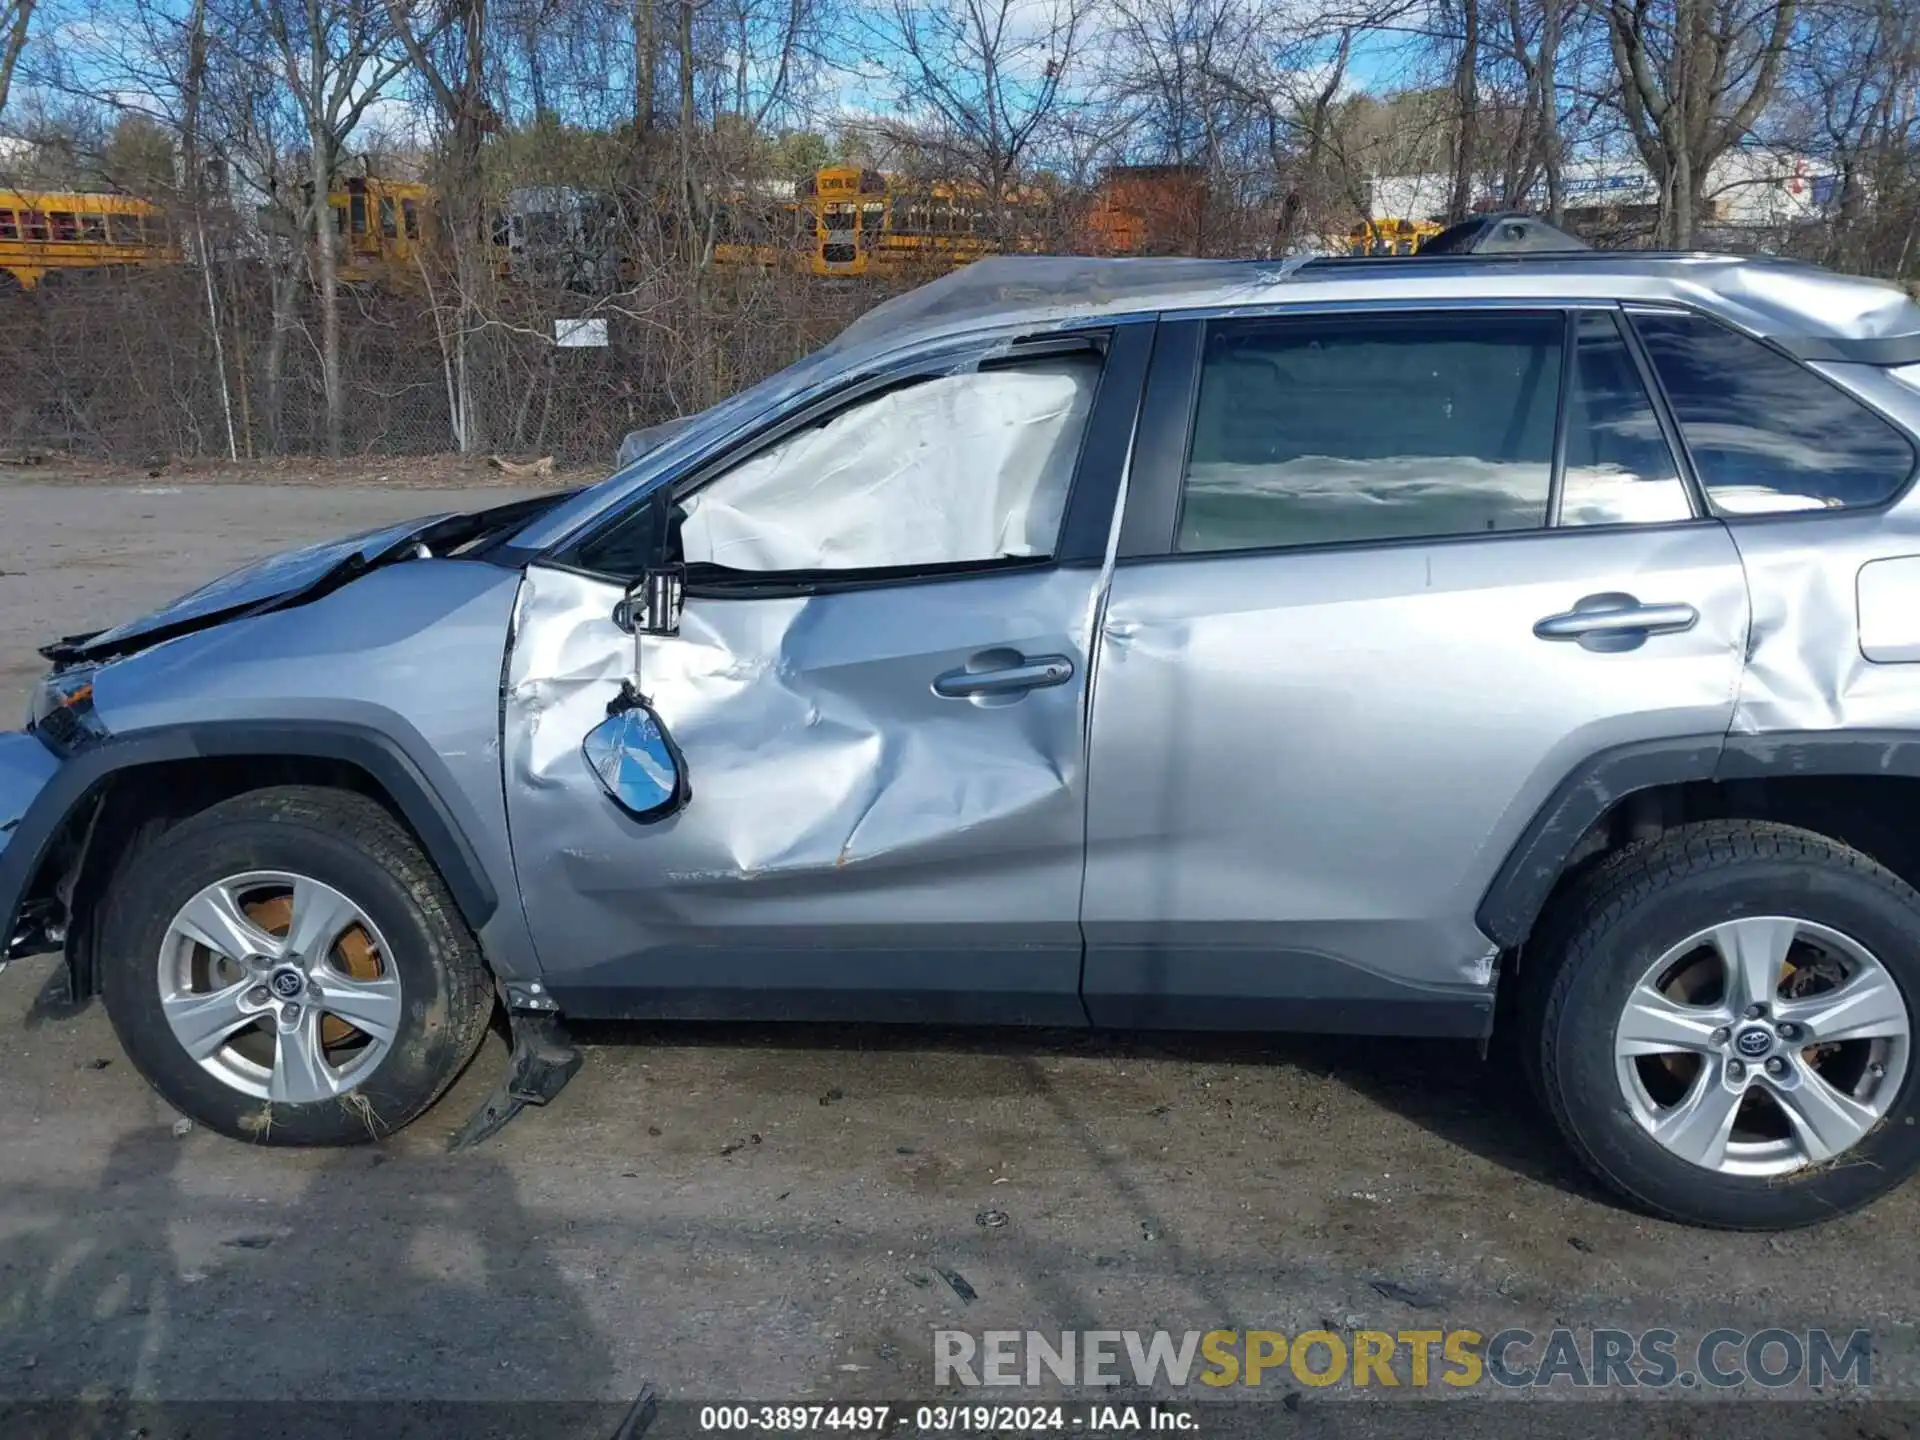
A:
636	761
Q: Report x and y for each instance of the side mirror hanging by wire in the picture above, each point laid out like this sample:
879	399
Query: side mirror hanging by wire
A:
631	752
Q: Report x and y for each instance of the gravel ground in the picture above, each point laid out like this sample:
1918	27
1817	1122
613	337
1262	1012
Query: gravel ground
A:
786	1214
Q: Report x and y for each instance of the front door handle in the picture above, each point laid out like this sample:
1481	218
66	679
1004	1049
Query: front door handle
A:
987	675
1615	621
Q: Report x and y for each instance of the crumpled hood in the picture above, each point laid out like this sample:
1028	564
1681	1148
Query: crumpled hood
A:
295	576
275	578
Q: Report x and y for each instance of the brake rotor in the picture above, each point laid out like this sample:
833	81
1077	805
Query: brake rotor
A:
1695	984
1814	979
353	952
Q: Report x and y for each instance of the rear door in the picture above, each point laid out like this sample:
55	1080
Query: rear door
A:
879	689
1383	581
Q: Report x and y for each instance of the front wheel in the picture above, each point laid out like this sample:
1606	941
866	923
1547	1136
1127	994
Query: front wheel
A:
286	967
1724	1020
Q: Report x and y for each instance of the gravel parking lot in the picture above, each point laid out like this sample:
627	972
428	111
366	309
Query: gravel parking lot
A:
736	1212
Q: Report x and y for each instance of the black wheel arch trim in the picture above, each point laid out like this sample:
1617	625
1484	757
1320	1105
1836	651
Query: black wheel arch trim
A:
381	756
1535	863
1821	752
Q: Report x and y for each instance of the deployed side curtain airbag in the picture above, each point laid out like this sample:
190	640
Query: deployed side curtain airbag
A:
954	469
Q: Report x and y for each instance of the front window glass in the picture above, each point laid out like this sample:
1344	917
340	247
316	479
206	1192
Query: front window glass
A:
961	468
952	470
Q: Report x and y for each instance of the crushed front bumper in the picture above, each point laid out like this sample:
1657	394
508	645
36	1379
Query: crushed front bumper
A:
26	766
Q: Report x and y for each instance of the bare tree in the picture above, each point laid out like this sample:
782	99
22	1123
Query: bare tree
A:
15	18
980	79
446	43
646	65
1465	14
1290	110
1176	71
336	58
1694	76
1527	39
1850	98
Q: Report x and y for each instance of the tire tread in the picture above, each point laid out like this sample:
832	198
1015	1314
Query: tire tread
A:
361	822
1579	923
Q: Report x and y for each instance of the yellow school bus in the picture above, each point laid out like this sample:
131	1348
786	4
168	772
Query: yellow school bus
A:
71	233
954	223
848	209
384	226
832	225
845	220
1389	237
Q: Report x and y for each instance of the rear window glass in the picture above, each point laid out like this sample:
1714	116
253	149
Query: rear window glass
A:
1338	429
1619	469
1766	434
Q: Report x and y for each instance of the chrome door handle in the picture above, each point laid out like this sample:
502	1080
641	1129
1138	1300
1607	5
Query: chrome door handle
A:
1034	674
1616	621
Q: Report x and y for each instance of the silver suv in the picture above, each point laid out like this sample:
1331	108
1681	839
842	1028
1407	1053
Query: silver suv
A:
1355	645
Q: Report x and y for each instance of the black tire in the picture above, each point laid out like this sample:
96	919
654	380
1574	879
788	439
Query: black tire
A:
353	844
1616	922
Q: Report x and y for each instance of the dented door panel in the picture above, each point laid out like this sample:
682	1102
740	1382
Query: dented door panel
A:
856	842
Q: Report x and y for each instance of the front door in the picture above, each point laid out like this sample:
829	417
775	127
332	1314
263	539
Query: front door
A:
1392	578
879	689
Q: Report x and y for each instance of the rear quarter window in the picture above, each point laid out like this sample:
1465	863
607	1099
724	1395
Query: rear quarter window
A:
1766	434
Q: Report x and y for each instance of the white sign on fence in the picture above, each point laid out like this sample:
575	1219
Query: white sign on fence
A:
580	334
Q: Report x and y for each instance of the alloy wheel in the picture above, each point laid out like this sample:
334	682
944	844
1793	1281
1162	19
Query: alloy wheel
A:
1762	1045
279	986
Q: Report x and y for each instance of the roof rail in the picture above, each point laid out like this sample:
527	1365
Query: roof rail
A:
1536	257
1517	235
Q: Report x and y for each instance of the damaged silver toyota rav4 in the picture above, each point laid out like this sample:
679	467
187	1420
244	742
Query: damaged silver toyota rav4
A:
1335	645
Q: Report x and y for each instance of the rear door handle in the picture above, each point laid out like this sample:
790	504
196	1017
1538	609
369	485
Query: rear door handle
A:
1615	621
999	679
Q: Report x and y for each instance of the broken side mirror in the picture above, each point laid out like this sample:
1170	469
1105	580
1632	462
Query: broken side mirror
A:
631	752
635	759
652	603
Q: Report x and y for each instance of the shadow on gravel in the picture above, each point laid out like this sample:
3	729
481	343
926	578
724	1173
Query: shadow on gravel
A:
53	1003
1445	1087
378	1283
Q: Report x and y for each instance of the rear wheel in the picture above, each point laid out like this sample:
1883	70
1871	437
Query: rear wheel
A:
287	967
1724	1023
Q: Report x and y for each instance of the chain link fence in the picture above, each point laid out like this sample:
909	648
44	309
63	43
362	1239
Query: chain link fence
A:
190	361
141	365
